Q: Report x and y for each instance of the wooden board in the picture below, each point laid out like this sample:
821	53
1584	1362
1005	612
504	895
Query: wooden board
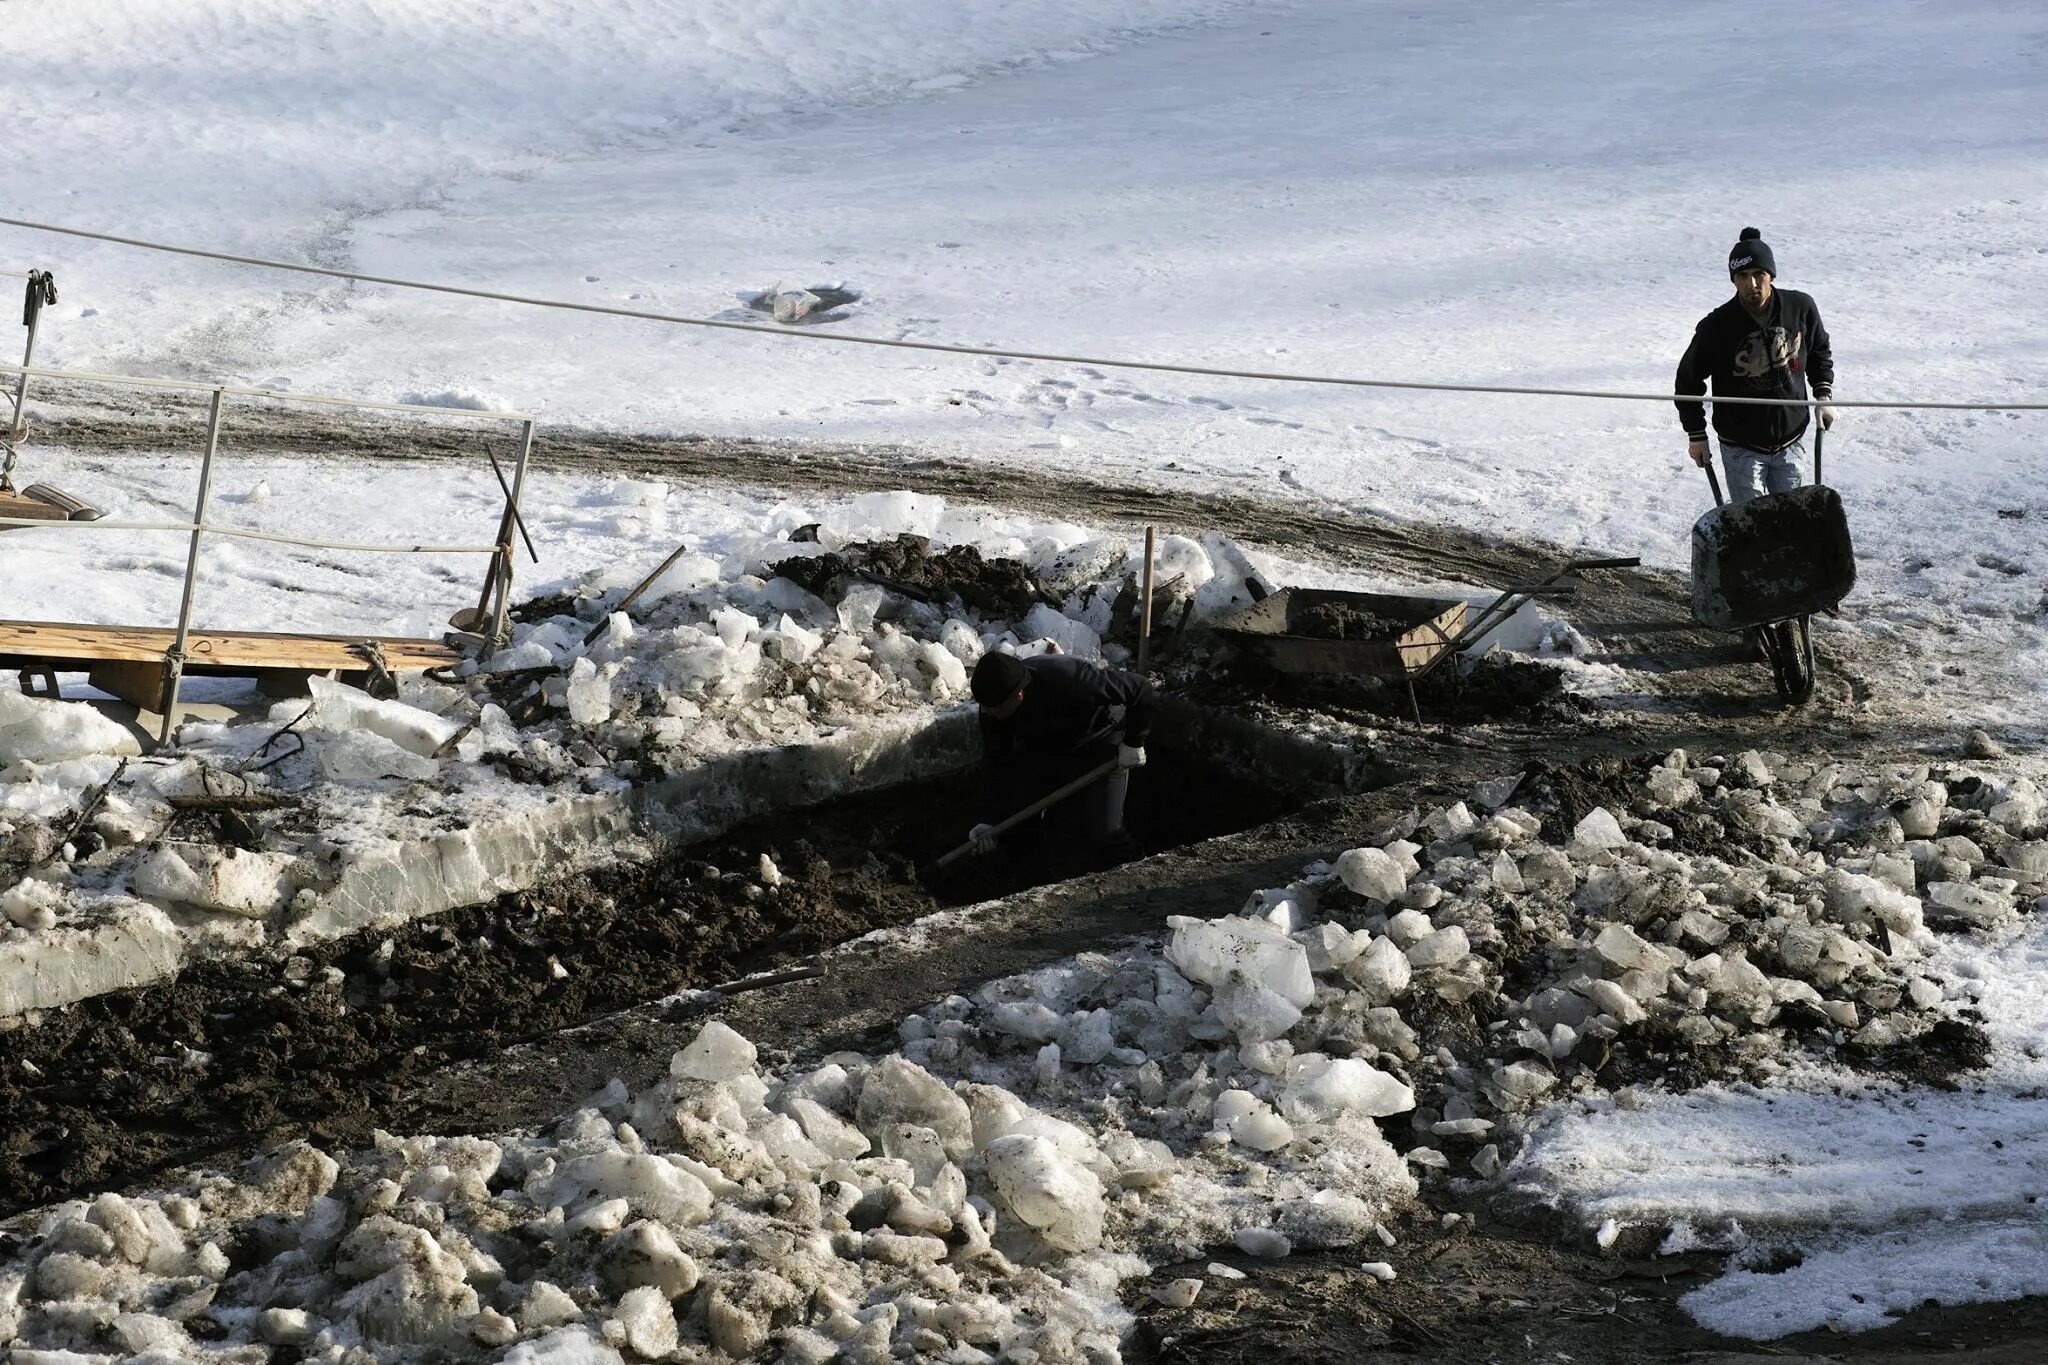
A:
25	508
24	643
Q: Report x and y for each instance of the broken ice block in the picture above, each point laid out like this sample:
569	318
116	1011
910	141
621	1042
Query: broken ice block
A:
1382	971
1445	948
589	694
39	730
1263	1243
1372	873
1320	1088
1598	831
898	1091
1062	1200
718	1053
1209	951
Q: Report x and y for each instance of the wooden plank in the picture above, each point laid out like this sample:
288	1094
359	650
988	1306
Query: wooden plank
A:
142	684
25	508
1419	647
226	651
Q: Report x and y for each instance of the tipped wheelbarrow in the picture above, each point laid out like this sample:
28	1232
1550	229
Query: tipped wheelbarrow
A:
1767	565
1387	636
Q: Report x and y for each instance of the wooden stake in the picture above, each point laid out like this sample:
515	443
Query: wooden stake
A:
1145	600
630	598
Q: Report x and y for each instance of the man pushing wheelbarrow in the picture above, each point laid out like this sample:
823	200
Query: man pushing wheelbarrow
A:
1775	552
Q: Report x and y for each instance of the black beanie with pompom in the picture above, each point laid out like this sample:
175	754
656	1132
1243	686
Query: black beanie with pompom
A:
1751	253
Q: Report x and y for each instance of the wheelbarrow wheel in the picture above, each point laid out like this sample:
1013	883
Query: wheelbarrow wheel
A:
1789	646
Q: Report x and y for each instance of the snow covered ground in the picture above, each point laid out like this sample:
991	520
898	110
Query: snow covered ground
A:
1308	186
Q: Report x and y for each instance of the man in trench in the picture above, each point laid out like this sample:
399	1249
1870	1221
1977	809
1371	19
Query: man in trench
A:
1045	721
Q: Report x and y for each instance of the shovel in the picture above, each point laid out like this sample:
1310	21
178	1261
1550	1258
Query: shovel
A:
1051	798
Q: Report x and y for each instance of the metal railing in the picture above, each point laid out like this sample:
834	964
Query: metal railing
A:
495	603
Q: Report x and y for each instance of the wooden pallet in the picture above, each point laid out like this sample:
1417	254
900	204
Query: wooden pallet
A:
131	662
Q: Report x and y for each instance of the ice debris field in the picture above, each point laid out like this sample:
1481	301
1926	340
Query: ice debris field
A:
1278	1079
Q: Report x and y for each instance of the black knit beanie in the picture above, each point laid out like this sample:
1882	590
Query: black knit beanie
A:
997	678
1752	254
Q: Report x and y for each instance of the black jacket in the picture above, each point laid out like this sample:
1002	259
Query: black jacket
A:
1070	705
1741	357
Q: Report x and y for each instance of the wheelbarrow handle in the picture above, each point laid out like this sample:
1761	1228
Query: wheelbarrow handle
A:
1714	482
1052	798
1819	434
1623	562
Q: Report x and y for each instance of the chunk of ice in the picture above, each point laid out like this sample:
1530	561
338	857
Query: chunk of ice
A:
1321	1088
718	1053
1073	637
1264	1243
1598	831
1372	873
898	1091
1382	971
1445	948
589	694
1211	951
41	730
1059	1198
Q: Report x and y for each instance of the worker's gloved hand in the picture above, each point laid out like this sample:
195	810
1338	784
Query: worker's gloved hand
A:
1698	451
1130	755
982	839
1827	416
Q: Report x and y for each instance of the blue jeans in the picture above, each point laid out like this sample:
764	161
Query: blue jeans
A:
1753	473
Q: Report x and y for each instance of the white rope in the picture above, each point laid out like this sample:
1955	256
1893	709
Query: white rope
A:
243	533
1220	372
136	381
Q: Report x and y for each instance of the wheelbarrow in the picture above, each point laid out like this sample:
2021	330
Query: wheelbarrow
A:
1379	635
1767	565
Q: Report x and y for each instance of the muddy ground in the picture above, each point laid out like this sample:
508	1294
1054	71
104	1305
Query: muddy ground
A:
513	1055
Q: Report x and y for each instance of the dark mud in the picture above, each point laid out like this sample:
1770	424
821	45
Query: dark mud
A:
1490	1293
907	564
1521	693
330	1041
1935	1058
1343	621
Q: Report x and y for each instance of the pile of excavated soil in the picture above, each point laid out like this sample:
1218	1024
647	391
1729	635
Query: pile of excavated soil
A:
1513	691
908	564
1345	621
330	1041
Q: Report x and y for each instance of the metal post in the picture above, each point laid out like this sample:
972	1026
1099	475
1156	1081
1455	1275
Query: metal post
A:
17	425
174	662
504	559
1145	599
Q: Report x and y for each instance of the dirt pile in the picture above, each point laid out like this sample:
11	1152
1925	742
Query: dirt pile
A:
1345	621
1494	690
909	565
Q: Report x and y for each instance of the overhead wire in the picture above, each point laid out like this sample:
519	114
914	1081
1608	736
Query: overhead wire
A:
1002	353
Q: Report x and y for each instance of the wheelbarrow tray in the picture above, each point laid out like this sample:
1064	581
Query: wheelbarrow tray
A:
1398	636
1771	559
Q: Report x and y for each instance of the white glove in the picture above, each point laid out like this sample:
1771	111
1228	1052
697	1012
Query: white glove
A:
1827	416
1130	755
982	839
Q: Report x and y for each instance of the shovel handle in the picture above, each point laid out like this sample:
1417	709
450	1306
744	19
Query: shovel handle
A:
1714	482
1819	434
604	622
1052	798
